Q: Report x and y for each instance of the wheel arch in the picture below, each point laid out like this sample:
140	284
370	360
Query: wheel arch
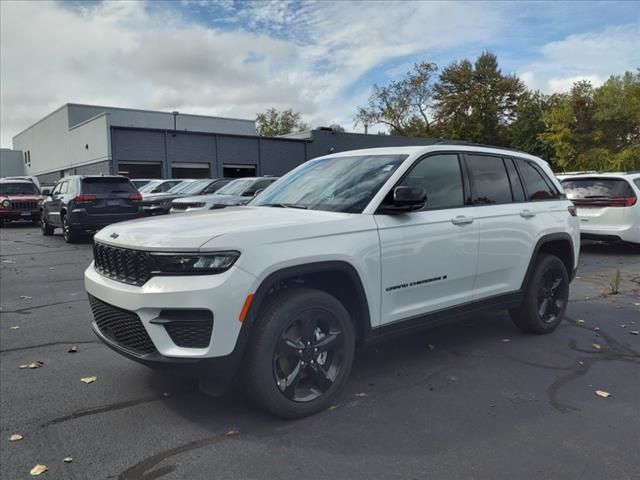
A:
559	244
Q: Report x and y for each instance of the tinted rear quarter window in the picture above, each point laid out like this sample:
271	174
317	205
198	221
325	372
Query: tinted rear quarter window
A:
538	187
102	186
490	183
593	188
441	178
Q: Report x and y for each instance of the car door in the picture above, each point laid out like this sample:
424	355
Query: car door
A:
507	226
428	257
54	203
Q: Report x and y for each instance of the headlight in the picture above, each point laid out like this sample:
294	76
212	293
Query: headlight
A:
192	263
6	204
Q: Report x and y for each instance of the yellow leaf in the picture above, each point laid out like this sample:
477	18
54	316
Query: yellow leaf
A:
67	460
596	346
88	379
232	432
602	393
38	469
362	394
72	349
15	437
579	322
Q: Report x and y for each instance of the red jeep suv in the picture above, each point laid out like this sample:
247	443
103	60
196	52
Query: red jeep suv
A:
19	200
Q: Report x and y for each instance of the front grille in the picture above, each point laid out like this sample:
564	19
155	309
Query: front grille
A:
190	333
122	327
179	206
184	206
122	264
24	204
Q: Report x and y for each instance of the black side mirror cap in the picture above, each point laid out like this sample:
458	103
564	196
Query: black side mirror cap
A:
46	192
406	199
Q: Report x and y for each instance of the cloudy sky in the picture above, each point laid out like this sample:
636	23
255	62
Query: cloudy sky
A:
235	58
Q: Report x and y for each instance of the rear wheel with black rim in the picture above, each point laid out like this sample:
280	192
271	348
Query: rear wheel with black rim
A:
68	233
300	352
546	297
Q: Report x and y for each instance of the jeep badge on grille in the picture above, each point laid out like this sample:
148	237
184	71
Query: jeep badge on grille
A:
114	235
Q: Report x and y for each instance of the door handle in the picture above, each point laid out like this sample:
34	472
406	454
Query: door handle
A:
527	214
461	220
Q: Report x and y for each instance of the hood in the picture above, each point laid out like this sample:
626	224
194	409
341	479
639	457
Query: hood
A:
207	198
159	197
13	196
188	232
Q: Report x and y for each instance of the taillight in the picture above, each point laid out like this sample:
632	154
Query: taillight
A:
607	202
572	210
84	198
135	197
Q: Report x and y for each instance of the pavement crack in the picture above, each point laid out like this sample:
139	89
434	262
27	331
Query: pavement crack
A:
27	310
50	344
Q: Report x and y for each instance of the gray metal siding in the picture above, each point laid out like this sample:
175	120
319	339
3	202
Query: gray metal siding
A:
138	145
238	150
98	168
49	178
189	147
277	157
325	142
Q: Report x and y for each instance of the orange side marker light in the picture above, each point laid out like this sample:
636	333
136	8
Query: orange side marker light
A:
245	308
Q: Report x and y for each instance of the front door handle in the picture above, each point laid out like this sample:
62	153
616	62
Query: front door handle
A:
461	220
527	214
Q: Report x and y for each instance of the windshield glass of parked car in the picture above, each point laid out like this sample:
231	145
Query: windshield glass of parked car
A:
337	184
237	187
193	187
18	188
149	186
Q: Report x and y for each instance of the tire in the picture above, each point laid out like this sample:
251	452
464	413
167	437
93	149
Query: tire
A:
69	235
307	327
546	297
45	227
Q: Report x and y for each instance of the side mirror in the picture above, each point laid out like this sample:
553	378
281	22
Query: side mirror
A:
46	192
406	199
156	190
258	192
248	194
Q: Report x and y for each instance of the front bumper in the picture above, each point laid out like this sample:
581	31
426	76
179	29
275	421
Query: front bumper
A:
223	295
20	214
79	219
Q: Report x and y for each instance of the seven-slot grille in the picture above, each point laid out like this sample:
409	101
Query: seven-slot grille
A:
122	264
121	327
24	204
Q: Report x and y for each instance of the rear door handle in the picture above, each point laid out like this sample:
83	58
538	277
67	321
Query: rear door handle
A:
461	220
527	214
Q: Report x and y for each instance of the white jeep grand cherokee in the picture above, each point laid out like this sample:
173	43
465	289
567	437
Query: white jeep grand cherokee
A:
343	251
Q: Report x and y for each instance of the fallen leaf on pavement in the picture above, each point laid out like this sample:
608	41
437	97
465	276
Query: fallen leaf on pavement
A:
362	394
15	437
579	321
637	304
596	346
623	326
38	469
67	460
8	261
333	407
88	379
602	393
25	297
37	364
506	340
232	432
72	349
635	332
15	327
596	329
430	347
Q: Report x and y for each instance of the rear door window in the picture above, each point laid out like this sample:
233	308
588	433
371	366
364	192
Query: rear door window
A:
106	186
597	188
538	187
490	182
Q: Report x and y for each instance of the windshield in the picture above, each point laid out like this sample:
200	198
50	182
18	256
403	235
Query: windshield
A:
18	188
237	187
337	184
179	187
194	187
149	186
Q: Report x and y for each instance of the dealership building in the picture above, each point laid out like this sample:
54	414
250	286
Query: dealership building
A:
91	140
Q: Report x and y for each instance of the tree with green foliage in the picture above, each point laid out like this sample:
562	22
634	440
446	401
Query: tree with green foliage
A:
404	105
524	132
273	122
476	102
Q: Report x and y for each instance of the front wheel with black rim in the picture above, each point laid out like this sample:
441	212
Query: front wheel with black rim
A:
546	297
46	228
69	235
300	352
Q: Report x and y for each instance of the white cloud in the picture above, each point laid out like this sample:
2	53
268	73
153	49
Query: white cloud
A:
590	56
281	54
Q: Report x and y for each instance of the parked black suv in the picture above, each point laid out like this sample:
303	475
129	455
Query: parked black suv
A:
80	204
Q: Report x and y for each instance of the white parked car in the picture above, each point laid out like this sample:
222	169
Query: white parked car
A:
344	250
608	205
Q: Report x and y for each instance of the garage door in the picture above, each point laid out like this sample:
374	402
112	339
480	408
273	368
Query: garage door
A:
190	170
140	169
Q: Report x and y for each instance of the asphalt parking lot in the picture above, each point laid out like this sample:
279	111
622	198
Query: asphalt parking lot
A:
473	400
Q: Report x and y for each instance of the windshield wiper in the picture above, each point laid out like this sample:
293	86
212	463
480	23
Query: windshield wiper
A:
284	205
